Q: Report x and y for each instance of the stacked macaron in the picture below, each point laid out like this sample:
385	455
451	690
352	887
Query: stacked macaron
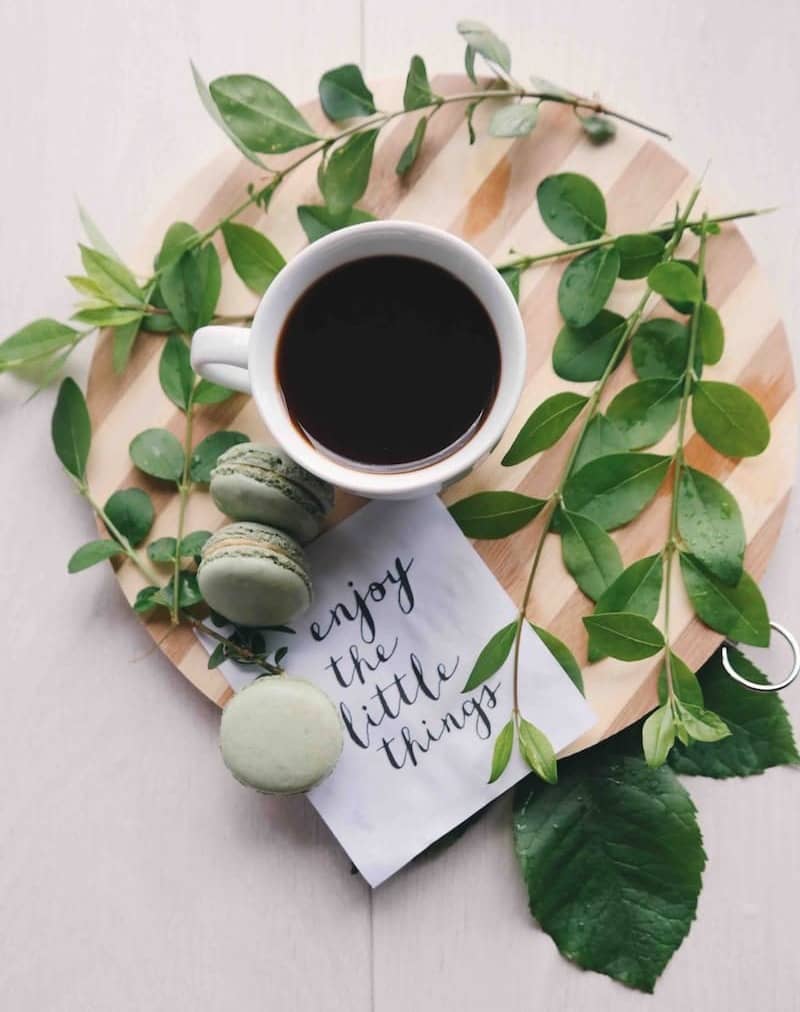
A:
254	572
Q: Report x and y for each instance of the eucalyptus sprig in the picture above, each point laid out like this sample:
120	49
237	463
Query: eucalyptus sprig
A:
607	480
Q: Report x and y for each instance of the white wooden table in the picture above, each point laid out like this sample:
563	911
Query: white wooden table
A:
134	876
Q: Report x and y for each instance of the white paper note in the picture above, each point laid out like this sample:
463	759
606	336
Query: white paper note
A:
402	606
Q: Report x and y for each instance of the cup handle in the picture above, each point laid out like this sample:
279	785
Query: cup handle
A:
219	354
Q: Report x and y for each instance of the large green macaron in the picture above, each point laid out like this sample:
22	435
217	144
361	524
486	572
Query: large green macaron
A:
252	481
254	575
280	735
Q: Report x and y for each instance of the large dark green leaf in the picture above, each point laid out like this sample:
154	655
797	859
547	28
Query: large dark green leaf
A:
600	439
572	207
623	635
343	93
590	554
71	429
481	39
545	426
586	285
494	514
761	734
644	412
175	372
158	453
738	612
729	419
612	859
35	341
207	452
562	654
637	589
659	349
418	92
346	173
710	523
581	354
131	512
614	489
317	221
254	257
638	254
492	657
258	114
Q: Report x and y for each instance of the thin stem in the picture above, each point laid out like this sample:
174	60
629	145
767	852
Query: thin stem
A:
679	459
136	558
183	496
234	648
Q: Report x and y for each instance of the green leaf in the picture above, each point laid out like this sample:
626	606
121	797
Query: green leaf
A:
600	439
211	108
658	736
122	344
676	282
92	553
469	65
175	372
586	285
710	523
581	354
317	221
346	174
107	316
590	554
146	600
94	235
495	514
492	657
638	254
192	544
343	93
738	612
418	93
481	39
259	115
563	655
545	426
659	349
204	458
217	656
612	860
158	453
614	489
468	115
207	392
760	731
644	412
411	151
710	334
163	550
512	277
113	278
131	512
188	591
701	724
516	120
179	238
624	635
39	339
191	286
255	259
685	306
536	750
599	129
71	429
572	207
684	682
637	589
503	745
729	419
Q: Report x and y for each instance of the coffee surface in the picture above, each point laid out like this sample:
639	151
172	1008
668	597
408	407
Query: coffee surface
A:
388	361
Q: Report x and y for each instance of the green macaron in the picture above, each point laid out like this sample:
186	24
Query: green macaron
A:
280	735
252	481
254	575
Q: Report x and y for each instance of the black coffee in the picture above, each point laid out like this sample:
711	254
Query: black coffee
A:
388	361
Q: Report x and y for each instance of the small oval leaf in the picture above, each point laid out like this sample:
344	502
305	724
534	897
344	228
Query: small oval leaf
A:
158	453
638	254
131	512
730	419
710	523
346	174
71	428
258	114
206	453
344	94
255	258
572	207
586	285
644	412
581	354
545	426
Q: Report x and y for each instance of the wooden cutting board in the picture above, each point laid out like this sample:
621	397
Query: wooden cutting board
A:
486	194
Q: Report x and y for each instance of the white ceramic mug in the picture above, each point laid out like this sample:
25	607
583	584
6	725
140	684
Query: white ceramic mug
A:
244	359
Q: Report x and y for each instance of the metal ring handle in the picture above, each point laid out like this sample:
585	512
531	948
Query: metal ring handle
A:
769	687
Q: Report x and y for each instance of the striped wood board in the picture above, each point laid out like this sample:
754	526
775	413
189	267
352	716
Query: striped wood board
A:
486	193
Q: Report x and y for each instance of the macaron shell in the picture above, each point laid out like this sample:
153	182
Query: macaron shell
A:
253	589
243	497
280	735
